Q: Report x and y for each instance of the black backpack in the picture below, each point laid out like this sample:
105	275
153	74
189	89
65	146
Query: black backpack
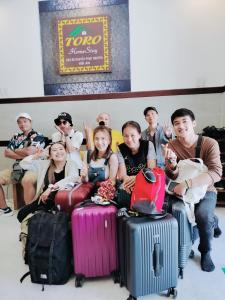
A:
49	248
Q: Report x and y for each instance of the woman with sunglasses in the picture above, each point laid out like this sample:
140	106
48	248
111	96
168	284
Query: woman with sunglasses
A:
101	164
72	138
133	155
53	173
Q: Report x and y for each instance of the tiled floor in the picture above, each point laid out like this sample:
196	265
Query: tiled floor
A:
196	285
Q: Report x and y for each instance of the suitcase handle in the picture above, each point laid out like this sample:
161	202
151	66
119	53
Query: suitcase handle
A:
156	260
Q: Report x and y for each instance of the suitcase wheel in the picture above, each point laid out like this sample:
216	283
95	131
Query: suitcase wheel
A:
131	298
116	276
79	280
121	282
173	292
192	254
181	273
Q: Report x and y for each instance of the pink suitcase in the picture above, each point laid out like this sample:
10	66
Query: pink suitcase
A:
94	242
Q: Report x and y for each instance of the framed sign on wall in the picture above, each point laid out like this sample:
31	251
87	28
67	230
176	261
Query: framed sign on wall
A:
84	45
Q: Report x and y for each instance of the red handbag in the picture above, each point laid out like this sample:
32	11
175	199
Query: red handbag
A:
65	200
152	191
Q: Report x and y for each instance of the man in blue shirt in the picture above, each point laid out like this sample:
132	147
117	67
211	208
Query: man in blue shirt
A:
156	133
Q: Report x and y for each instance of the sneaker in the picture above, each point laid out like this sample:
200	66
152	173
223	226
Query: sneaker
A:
6	211
207	264
217	230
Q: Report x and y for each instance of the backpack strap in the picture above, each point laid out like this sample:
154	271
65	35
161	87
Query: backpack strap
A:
50	267
198	146
107	159
24	276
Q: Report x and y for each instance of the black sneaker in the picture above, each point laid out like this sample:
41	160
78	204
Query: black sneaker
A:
7	212
207	264
217	231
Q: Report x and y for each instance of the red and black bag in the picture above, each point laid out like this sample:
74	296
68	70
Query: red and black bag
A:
152	189
65	200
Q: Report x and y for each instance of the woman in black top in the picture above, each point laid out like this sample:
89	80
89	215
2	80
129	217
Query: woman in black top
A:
133	155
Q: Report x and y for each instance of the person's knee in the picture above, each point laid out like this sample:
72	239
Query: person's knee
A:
2	181
204	219
29	178
5	177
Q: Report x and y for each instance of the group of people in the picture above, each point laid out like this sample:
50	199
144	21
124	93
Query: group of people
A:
113	155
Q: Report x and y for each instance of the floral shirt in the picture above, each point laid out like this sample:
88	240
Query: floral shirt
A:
20	140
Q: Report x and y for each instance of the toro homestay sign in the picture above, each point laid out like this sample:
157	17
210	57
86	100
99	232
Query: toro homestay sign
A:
84	45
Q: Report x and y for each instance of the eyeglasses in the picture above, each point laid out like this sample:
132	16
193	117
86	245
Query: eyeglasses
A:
59	122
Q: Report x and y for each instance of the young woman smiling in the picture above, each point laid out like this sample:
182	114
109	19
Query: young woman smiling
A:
53	173
134	154
101	163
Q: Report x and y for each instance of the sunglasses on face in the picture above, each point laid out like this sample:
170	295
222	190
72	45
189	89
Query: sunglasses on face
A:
59	122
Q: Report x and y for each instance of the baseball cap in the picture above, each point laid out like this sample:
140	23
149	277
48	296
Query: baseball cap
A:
23	115
63	116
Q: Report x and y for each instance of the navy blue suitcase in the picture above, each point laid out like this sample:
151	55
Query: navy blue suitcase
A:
186	235
150	257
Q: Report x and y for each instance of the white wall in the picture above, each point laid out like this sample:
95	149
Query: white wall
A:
173	44
209	110
177	43
20	51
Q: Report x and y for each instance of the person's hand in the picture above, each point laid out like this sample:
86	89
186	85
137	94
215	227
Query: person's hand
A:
128	183
58	128
170	157
63	133
180	189
44	196
87	128
41	153
167	130
45	151
84	171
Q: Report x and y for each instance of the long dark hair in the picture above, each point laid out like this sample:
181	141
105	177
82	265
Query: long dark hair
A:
94	154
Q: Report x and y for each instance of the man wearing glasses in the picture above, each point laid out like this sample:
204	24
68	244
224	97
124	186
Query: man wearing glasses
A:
72	138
